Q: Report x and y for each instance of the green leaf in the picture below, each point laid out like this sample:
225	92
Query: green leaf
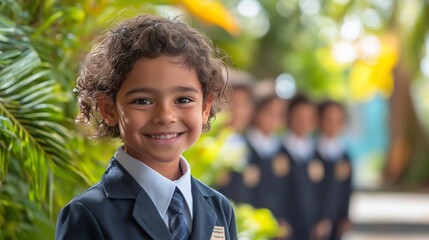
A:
32	126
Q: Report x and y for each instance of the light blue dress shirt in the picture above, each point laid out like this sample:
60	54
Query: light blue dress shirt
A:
159	188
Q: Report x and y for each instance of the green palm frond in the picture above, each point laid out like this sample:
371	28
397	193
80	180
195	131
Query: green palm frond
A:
31	118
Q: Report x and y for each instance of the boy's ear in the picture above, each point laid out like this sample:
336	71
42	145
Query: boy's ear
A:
107	110
207	105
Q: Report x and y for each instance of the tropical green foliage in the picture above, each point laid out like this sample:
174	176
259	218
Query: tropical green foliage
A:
255	223
32	111
45	160
21	217
33	132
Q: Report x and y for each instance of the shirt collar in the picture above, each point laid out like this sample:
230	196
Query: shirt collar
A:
330	148
159	188
300	148
265	146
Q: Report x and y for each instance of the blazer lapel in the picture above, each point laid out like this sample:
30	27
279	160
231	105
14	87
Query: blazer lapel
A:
147	216
204	218
118	184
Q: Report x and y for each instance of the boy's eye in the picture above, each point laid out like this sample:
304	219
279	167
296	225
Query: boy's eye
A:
142	101
183	100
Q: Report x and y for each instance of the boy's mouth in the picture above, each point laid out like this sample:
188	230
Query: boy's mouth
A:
164	136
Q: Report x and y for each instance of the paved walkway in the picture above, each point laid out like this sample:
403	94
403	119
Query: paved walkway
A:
389	216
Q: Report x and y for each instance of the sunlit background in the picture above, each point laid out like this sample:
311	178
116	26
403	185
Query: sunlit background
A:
371	55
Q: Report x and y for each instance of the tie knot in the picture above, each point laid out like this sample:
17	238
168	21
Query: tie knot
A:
177	202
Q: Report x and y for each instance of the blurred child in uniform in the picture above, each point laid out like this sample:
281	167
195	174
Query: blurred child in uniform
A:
234	151
337	185
267	167
307	171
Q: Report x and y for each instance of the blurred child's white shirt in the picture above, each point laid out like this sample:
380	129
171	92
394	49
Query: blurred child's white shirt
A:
330	148
301	148
265	146
233	152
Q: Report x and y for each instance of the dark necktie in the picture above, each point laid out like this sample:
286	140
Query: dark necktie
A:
176	222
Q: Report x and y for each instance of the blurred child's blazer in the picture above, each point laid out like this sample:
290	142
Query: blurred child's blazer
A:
118	208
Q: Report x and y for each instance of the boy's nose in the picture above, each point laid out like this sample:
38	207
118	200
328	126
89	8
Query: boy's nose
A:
164	114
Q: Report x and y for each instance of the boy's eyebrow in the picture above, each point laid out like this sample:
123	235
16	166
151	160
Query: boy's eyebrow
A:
153	90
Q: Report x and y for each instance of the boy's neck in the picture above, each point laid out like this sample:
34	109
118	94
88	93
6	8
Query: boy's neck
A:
300	135
263	131
170	170
329	136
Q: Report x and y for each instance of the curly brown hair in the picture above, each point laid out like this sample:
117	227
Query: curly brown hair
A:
112	58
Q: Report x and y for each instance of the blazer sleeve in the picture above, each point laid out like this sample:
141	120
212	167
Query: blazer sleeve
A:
344	214
76	222
232	225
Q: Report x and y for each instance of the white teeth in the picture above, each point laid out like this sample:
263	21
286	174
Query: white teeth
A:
164	137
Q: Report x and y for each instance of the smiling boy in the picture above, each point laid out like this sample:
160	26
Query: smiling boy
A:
152	82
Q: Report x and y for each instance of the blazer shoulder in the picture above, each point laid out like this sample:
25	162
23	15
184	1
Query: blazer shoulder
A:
93	195
207	191
78	219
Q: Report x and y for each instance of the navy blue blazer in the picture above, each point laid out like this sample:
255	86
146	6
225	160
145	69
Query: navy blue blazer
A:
303	201
337	190
119	208
270	191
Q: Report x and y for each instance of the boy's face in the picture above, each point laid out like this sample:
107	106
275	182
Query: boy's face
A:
241	110
332	121
160	110
303	120
270	117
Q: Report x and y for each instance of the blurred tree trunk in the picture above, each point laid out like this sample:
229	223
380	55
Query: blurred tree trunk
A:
407	163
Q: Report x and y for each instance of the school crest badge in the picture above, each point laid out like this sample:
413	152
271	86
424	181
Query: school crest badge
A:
218	233
316	171
342	170
281	165
251	175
